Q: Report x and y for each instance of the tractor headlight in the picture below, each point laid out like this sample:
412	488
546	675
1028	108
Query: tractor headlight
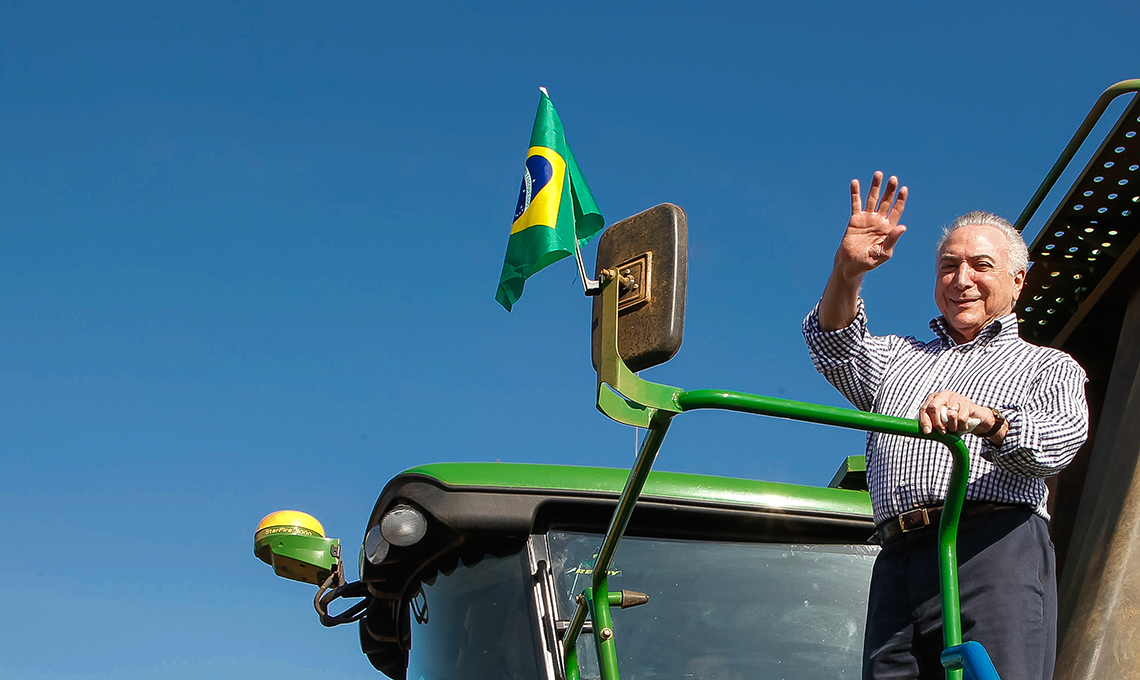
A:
375	548
403	525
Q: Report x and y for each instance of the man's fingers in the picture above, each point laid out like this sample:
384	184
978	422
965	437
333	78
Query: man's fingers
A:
939	413
948	411
897	209
888	246
949	418
954	420
856	198
884	206
873	193
930	418
963	420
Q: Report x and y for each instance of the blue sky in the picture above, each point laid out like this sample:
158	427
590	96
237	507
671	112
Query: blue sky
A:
248	254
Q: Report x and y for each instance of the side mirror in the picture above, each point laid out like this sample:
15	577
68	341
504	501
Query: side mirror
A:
294	544
651	251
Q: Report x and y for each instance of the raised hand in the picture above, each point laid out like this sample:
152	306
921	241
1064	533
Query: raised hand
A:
868	242
873	228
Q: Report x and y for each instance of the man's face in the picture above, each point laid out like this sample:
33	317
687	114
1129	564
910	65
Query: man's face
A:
974	285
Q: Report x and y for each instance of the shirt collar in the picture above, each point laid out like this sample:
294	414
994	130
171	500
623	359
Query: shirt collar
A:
1000	330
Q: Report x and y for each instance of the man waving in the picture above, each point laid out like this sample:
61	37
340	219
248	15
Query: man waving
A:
1023	406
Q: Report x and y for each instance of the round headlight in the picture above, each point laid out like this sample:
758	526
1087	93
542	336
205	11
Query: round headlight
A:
375	547
403	525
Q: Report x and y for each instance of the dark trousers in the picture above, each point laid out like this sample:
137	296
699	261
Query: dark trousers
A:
1007	577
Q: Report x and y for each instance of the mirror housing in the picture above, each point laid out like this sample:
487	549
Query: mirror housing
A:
652	249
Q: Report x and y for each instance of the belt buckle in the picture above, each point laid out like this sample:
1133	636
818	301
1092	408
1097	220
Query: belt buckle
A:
913	520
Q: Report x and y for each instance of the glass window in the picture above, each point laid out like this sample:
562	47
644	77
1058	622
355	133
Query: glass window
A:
475	623
725	610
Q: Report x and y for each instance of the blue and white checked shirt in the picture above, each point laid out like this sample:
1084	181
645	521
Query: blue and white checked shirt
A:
1039	390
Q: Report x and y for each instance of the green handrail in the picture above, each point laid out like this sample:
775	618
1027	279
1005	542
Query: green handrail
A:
625	397
1082	133
872	422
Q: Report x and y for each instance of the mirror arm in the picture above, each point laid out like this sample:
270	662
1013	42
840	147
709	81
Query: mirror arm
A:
589	286
622	395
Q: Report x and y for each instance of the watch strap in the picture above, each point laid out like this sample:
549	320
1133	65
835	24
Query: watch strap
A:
999	420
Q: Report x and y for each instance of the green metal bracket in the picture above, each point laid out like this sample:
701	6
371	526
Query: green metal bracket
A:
621	394
310	559
598	599
852	474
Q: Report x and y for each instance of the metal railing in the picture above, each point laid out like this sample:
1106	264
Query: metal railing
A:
1079	137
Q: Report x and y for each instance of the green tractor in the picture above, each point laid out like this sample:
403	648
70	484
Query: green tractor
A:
562	573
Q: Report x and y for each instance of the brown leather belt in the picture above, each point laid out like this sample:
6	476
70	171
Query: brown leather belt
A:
920	518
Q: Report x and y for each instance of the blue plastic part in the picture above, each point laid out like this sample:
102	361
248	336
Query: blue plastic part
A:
972	658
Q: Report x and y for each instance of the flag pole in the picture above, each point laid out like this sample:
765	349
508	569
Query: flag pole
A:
589	286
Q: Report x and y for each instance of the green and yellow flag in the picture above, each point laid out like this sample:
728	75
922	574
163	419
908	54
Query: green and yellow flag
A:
555	207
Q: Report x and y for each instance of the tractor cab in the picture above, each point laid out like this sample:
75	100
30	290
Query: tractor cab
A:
562	573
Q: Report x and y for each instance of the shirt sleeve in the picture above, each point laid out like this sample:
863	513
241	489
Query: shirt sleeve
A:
851	359
1046	431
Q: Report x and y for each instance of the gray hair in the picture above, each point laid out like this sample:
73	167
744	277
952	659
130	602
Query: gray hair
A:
1018	252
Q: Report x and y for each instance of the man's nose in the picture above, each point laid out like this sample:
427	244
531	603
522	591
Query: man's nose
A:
962	277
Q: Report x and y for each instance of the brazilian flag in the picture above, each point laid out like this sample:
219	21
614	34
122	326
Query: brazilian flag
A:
555	207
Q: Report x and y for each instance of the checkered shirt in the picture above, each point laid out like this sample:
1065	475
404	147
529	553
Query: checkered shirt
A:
1039	390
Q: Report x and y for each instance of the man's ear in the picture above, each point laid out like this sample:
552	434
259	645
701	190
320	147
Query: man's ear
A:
1019	283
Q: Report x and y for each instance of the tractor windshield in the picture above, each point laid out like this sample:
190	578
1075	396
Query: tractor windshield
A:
725	610
475	622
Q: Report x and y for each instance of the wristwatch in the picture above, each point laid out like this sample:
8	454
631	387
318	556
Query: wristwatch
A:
999	420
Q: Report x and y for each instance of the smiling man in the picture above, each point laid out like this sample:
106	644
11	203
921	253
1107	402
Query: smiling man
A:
1023	405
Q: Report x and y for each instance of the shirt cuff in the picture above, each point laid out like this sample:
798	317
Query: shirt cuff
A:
1019	436
843	339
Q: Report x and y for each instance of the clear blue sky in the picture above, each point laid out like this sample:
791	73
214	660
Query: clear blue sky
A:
248	255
